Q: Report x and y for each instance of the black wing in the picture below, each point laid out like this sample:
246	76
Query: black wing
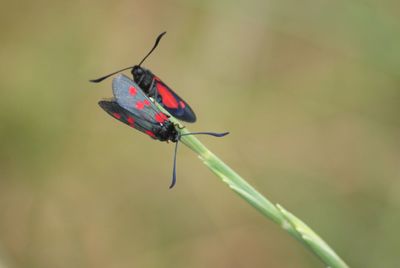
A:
115	110
174	104
131	97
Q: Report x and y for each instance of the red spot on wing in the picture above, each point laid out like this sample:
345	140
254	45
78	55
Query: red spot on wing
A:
160	117
167	98
146	102
139	105
151	134
117	115
182	104
131	121
164	116
132	90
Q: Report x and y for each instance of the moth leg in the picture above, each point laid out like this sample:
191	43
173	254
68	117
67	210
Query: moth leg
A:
140	80
154	90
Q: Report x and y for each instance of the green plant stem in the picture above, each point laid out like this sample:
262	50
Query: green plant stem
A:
293	225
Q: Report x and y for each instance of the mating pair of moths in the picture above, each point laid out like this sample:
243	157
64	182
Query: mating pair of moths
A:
131	105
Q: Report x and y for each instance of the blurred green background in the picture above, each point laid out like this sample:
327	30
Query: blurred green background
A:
309	90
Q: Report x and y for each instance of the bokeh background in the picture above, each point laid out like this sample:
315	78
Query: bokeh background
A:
309	90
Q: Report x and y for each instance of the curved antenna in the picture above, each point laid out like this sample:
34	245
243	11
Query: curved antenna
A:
176	149
174	169
148	54
154	47
205	133
108	75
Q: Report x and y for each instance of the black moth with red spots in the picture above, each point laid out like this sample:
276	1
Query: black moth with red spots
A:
158	90
138	111
131	106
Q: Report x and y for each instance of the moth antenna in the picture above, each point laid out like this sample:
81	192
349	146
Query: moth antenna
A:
174	168
205	133
176	149
154	47
108	75
148	54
